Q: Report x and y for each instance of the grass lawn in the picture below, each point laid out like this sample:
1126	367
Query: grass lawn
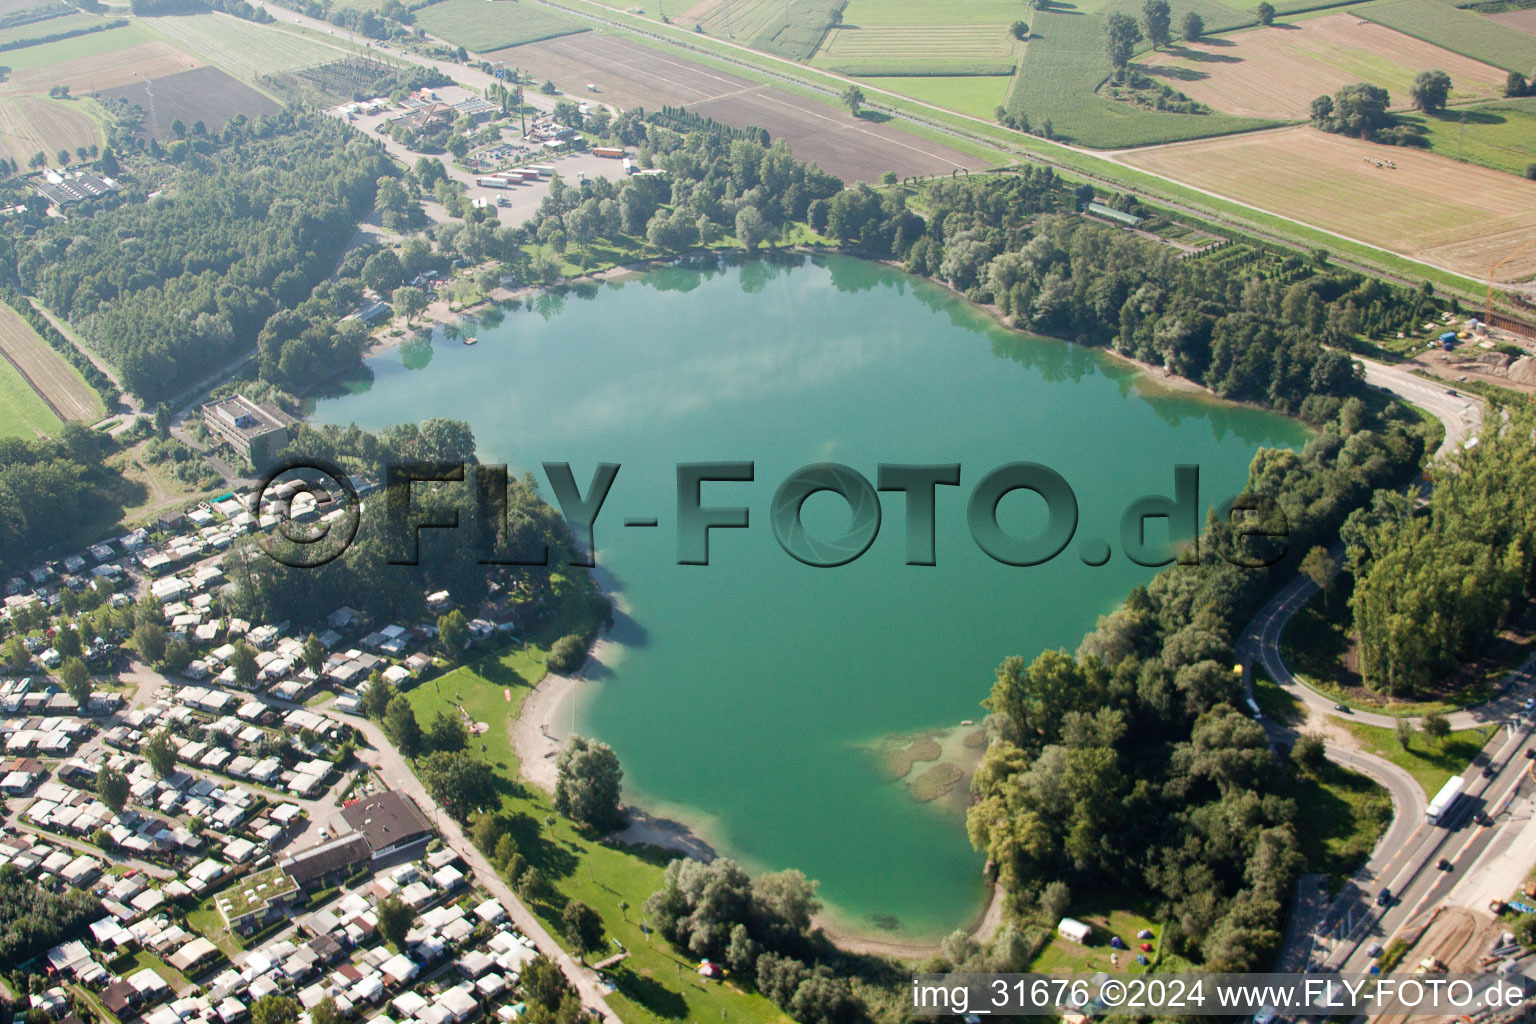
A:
978	95
23	413
179	982
655	980
1430	761
320	698
1500	135
209	923
1063	956
482	27
92	45
1345	814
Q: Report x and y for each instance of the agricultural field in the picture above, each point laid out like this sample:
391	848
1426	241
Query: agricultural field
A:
791	28
50	26
872	13
23	413
1500	135
58	384
203	94
918	49
32	123
630	74
245	49
1443	24
1452	215
482	27
1278	71
138	58
47	56
977	95
1524	20
1064	64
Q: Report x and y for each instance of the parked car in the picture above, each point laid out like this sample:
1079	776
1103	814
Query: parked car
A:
1341	707
1384	897
1443	864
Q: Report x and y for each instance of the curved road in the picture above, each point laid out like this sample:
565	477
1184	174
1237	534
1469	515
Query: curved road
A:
1461	417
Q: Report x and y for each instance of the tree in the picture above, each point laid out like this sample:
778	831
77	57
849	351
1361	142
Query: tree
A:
452	634
1020	29
1157	18
1404	732
401	727
1430	90
17	657
1266	12
160	752
409	301
543	983
1194	26
395	920
1515	84
1054	901
66	640
447	732
566	654
852	98
384	270
582	927
377	696
243	661
1309	754
532	886
109	165
588	784
1319	567
460	782
750	227
325	1012
275	1009
112	788
314	654
149	638
1120	38
77	681
1436	726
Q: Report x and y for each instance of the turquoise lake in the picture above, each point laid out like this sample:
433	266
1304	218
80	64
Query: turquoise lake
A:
749	695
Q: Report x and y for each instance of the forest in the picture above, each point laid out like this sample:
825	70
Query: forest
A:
53	493
1129	758
33	918
1431	590
453	560
171	288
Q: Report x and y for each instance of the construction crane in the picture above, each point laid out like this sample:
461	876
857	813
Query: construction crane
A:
1488	299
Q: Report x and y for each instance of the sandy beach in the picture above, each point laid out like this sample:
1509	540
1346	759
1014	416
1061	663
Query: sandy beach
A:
545	721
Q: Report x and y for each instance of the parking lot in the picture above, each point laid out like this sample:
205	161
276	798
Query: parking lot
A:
521	200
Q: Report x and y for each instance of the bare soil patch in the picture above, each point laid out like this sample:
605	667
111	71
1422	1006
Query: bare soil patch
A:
1524	20
1278	71
203	94
629	74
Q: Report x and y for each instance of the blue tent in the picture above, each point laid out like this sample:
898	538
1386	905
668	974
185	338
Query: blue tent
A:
1143	961
1115	942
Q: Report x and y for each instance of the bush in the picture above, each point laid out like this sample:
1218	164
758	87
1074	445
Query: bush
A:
566	654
